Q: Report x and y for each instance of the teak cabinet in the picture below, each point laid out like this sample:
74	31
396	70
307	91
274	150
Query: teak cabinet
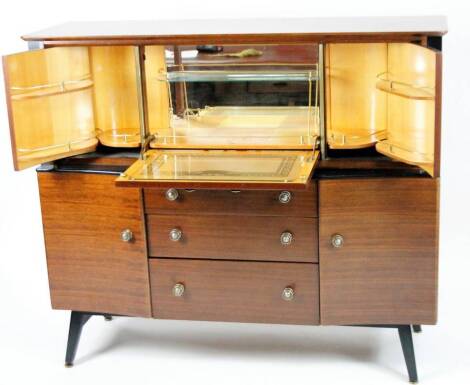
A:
235	171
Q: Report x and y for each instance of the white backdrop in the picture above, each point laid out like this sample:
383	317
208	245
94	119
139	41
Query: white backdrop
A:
33	337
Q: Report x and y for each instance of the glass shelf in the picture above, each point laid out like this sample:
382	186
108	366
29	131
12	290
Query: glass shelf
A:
31	156
240	76
356	140
41	90
392	150
120	137
386	83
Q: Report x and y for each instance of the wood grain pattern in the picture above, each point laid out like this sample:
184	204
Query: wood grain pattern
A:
438	116
223	202
90	267
386	272
243	237
235	291
50	105
351	69
115	95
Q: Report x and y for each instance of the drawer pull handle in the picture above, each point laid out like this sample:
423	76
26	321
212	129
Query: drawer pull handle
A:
285	197
337	241
171	194
127	235
288	294
175	235
178	290
286	238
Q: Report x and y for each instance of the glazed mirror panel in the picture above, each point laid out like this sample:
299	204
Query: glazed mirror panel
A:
257	97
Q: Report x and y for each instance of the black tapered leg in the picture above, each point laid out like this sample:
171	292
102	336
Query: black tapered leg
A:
77	321
417	328
406	339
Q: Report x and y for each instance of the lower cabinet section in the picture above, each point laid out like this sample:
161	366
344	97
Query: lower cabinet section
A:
378	251
95	244
262	292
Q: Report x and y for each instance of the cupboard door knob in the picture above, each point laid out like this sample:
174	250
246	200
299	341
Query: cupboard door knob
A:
178	290
171	194
285	197
175	235
337	241
286	238
126	235
288	294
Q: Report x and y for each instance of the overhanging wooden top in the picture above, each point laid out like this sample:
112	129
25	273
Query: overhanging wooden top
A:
242	30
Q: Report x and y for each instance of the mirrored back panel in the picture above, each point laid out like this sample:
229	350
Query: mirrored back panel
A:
257	97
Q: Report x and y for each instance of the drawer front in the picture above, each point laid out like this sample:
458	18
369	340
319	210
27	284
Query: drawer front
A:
235	291
228	237
215	202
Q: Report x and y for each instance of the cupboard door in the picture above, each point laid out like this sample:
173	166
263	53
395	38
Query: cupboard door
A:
412	82
382	267
93	263
50	104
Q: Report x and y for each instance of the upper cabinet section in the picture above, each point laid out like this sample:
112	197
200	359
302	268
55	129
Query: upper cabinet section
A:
383	95
50	104
291	85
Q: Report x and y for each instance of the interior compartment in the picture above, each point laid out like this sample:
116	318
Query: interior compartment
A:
220	101
382	95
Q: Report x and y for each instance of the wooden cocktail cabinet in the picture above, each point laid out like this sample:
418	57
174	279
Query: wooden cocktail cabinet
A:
269	171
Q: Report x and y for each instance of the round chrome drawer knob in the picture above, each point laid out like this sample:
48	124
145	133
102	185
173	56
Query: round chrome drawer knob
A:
288	294
286	238
285	197
126	235
171	194
337	241
178	290
175	235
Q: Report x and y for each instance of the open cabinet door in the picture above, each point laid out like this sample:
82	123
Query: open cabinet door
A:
50	104
222	169
412	86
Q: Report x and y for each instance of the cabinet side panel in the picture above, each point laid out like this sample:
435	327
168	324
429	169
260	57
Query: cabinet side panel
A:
90	268
386	270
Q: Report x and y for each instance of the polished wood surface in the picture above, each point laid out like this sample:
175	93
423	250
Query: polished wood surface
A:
351	69
90	268
438	116
411	105
223	202
50	105
115	95
386	271
235	291
158	98
297	30
223	237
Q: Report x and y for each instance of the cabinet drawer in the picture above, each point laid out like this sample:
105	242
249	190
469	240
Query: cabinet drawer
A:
229	237
213	202
235	291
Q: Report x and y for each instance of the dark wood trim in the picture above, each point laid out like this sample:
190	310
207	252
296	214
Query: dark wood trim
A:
278	38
